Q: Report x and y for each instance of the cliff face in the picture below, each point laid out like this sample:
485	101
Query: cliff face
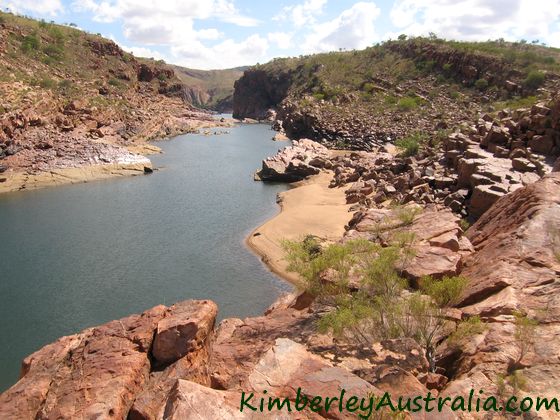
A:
257	91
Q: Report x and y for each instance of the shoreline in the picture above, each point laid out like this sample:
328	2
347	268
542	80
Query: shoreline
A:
18	181
309	207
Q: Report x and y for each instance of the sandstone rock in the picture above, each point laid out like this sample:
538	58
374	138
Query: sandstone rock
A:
523	165
482	199
94	374
99	372
190	401
293	163
516	235
288	366
186	330
542	144
433	261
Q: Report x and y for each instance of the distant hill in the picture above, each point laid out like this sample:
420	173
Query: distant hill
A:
211	89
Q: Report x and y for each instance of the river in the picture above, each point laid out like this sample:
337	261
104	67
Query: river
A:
76	256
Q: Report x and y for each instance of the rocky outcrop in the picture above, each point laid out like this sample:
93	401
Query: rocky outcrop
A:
99	372
466	66
515	270
437	239
294	163
257	91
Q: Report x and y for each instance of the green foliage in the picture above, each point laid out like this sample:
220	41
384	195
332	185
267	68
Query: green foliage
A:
47	83
445	292
114	82
516	102
66	87
407	103
410	144
481	84
467	329
465	225
308	259
534	79
54	51
379	310
402	37
30	43
319	96
406	214
525	329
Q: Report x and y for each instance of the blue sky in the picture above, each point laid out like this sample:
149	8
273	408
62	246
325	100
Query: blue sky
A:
226	33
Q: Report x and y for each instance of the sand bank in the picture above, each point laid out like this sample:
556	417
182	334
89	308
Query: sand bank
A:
17	181
310	208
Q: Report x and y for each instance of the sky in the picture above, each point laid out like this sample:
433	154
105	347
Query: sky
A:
215	34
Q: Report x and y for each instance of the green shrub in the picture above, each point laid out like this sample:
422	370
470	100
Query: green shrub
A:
47	83
465	225
534	79
447	67
445	292
368	87
391	100
410	144
467	329
30	43
114	82
54	51
407	103
407	214
481	84
319	96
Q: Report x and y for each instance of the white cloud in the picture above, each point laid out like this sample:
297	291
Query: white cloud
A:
171	24
38	7
133	10
354	28
302	14
283	40
478	19
144	52
223	55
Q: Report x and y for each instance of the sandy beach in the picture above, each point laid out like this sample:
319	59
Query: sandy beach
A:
309	208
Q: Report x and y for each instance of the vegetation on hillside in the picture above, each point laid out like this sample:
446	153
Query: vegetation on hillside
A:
370	300
69	62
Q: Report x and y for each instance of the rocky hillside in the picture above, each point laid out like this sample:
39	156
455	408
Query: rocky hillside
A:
75	100
359	99
210	89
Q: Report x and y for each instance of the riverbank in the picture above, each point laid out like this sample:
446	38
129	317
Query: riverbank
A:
309	208
120	161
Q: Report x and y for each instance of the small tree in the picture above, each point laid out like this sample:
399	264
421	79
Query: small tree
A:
534	79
